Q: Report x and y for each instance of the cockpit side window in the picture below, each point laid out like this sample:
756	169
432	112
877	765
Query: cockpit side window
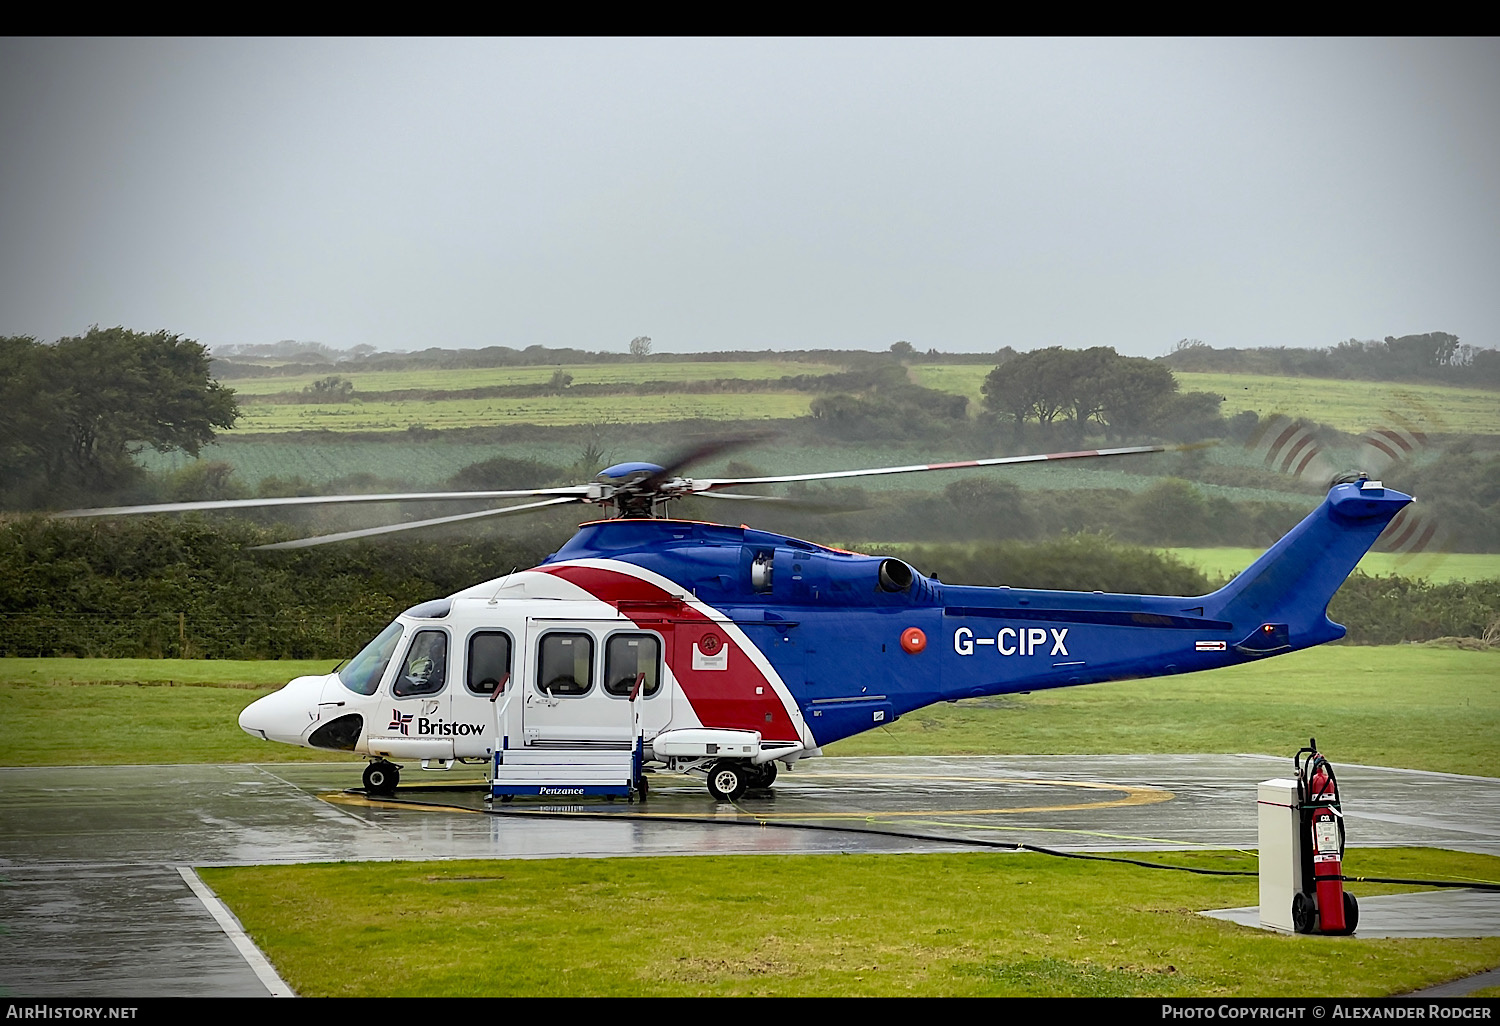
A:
424	671
565	664
489	662
362	675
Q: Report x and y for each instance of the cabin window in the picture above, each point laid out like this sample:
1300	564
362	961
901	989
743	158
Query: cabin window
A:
489	662
424	671
565	664
626	656
362	675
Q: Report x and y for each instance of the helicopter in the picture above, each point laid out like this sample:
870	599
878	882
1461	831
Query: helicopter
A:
650	643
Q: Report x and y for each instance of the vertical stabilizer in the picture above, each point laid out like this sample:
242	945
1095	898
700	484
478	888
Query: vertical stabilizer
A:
1293	582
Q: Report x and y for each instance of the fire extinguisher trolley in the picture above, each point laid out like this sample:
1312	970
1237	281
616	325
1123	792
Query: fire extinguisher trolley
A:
1321	904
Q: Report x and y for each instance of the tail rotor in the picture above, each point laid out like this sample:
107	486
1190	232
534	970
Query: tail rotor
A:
1298	449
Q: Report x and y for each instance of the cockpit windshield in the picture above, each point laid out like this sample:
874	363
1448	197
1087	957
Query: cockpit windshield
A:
362	675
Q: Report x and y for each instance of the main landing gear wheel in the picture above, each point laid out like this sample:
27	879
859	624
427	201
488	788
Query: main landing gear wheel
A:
727	781
381	778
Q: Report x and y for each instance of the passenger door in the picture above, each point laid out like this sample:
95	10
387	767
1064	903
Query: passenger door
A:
568	701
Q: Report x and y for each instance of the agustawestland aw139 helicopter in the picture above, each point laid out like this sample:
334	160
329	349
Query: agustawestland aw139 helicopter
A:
652	643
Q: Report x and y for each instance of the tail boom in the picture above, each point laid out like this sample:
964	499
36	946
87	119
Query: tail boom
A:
1002	640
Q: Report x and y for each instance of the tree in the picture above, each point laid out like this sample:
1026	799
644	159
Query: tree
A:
77	411
1416	353
640	346
1035	384
1007	389
1136	391
1091	375
332	389
24	421
1191	416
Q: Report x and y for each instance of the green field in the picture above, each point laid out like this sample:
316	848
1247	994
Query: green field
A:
263	418
1351	406
1438	567
1355	406
458	378
975	924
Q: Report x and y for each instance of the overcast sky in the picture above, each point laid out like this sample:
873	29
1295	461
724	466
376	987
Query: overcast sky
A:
744	193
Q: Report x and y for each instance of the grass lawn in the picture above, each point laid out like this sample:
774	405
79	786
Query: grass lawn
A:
1402	705
1409	706
980	924
95	712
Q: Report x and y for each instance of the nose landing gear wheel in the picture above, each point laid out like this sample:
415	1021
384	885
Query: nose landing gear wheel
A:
727	781
381	778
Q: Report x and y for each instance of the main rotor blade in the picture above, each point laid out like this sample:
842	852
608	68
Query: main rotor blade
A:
787	501
742	495
712	484
313	500
325	539
694	455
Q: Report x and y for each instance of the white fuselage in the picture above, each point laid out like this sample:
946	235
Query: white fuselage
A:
575	671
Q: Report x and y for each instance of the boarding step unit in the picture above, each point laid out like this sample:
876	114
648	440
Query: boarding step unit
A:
568	767
566	772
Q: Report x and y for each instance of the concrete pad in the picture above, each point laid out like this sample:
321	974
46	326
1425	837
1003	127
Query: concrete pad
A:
1456	913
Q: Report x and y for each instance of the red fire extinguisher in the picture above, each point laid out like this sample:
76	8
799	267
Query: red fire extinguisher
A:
1326	906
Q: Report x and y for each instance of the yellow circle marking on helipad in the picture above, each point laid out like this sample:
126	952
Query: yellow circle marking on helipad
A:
1133	795
361	801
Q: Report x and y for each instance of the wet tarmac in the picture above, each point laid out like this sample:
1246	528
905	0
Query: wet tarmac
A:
94	905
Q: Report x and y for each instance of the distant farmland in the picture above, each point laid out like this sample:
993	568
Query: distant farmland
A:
453	379
553	410
1351	406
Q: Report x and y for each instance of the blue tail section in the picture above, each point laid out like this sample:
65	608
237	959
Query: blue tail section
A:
1293	582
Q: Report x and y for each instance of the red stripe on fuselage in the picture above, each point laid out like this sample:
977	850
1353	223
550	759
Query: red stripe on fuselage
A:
721	698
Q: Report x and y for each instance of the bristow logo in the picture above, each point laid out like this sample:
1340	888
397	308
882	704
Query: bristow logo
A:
1013	641
402	722
426	726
